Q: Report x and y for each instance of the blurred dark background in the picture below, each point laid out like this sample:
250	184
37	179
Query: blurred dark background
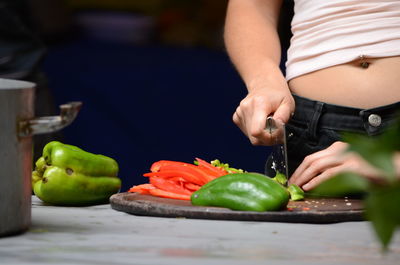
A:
154	79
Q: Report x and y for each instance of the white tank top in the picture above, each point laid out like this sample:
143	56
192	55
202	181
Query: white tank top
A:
332	32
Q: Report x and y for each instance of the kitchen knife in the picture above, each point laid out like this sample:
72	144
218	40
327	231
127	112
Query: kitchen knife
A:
279	159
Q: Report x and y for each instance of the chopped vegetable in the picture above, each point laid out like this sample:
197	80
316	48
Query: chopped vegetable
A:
178	180
156	166
169	185
216	170
296	193
170	195
226	167
191	186
175	173
280	178
142	188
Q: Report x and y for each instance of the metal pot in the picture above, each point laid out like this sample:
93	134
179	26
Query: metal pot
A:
17	125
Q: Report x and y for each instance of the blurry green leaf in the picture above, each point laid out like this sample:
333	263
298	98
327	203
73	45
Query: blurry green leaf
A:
383	210
382	202
344	184
377	150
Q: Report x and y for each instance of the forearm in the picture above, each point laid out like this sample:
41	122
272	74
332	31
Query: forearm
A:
252	40
253	45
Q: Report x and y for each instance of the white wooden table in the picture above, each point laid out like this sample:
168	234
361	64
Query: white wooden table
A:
101	235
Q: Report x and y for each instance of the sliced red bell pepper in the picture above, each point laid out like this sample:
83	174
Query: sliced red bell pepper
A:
157	165
168	194
177	180
191	186
192	169
189	177
206	170
142	188
218	171
210	172
168	185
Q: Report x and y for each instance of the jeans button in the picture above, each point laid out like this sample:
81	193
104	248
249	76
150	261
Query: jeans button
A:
374	120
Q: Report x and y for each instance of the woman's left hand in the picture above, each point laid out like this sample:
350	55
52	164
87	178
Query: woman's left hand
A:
326	163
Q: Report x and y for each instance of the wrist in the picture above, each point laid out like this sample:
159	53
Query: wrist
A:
265	74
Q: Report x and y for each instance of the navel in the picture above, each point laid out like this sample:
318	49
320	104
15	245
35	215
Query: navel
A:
363	62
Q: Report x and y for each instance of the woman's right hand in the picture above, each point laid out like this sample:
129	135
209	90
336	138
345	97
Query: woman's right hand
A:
271	97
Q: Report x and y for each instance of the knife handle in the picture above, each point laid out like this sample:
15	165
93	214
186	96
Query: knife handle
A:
270	125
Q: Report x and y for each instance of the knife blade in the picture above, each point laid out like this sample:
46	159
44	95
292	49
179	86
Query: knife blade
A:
279	158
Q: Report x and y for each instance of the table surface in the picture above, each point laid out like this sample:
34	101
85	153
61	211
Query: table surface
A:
101	235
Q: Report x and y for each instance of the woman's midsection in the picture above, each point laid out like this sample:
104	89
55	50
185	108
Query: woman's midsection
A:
352	85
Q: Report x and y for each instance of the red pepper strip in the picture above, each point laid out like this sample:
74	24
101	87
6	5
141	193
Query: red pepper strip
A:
177	179
174	173
168	194
210	173
157	165
168	185
191	186
216	170
142	188
192	169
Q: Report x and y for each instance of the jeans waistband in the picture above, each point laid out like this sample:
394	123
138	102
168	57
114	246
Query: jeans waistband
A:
371	121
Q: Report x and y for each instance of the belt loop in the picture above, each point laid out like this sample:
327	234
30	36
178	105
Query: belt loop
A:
313	125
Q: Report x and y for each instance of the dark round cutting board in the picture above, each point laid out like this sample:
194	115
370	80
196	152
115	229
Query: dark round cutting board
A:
311	210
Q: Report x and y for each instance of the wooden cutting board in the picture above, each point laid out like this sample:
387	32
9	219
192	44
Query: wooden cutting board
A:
311	210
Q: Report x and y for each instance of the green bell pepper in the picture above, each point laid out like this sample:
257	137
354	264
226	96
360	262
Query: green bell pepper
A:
243	192
68	175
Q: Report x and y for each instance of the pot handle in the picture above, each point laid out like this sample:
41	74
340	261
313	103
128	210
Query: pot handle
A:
48	124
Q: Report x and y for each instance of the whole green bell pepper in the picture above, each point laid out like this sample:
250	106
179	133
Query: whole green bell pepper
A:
68	175
243	192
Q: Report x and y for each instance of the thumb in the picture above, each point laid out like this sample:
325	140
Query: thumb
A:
283	113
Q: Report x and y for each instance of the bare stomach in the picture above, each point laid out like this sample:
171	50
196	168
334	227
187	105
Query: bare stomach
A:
352	85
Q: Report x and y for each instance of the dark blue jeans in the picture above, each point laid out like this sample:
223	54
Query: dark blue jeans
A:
316	125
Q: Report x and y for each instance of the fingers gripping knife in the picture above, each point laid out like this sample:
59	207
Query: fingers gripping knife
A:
278	155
